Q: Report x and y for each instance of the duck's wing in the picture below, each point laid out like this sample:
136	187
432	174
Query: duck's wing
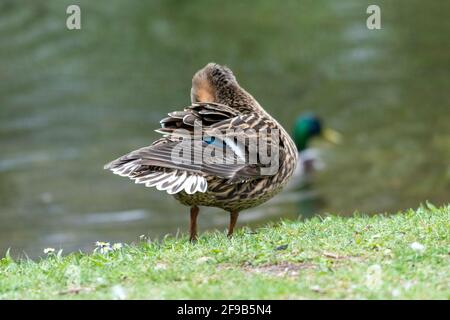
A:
199	133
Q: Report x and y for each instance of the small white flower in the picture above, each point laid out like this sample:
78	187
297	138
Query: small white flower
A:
395	292
117	246
373	276
408	284
105	250
102	244
103	247
118	292
203	259
160	266
417	247
49	250
316	288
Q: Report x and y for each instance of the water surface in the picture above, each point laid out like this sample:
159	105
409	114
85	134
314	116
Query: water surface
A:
70	101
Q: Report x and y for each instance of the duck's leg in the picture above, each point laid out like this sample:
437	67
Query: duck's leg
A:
193	224
233	218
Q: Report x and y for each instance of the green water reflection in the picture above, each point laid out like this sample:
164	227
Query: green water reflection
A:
71	101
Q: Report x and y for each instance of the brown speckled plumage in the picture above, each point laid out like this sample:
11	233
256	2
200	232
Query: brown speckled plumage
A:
218	102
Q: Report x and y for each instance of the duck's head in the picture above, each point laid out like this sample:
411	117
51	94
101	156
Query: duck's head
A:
209	81
308	126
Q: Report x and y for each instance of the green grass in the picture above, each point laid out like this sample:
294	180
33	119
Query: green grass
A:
334	257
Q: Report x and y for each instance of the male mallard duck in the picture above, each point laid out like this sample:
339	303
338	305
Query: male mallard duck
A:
218	103
306	127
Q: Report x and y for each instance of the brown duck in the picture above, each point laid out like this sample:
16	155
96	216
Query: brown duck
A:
219	104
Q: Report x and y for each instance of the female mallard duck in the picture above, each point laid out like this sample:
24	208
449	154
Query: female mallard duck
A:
219	103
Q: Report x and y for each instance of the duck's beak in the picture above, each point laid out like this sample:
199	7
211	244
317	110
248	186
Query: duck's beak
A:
332	136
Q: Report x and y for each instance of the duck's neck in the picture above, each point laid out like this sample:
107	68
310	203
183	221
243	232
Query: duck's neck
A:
236	97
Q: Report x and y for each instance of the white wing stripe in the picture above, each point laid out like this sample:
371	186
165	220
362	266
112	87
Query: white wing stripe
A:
172	181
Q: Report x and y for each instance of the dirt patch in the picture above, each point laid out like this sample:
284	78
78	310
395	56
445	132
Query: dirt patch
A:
341	258
284	269
335	256
76	290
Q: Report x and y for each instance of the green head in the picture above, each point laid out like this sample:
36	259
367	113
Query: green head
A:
308	126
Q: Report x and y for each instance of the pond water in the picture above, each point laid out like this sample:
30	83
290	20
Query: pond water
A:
70	101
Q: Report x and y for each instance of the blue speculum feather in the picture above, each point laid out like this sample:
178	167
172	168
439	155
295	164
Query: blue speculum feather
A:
213	141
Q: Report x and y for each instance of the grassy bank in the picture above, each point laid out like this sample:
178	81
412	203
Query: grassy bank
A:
405	255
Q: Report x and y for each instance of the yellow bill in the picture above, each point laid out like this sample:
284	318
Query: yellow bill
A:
332	136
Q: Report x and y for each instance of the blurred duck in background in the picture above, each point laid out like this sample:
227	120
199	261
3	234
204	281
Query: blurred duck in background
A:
306	127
